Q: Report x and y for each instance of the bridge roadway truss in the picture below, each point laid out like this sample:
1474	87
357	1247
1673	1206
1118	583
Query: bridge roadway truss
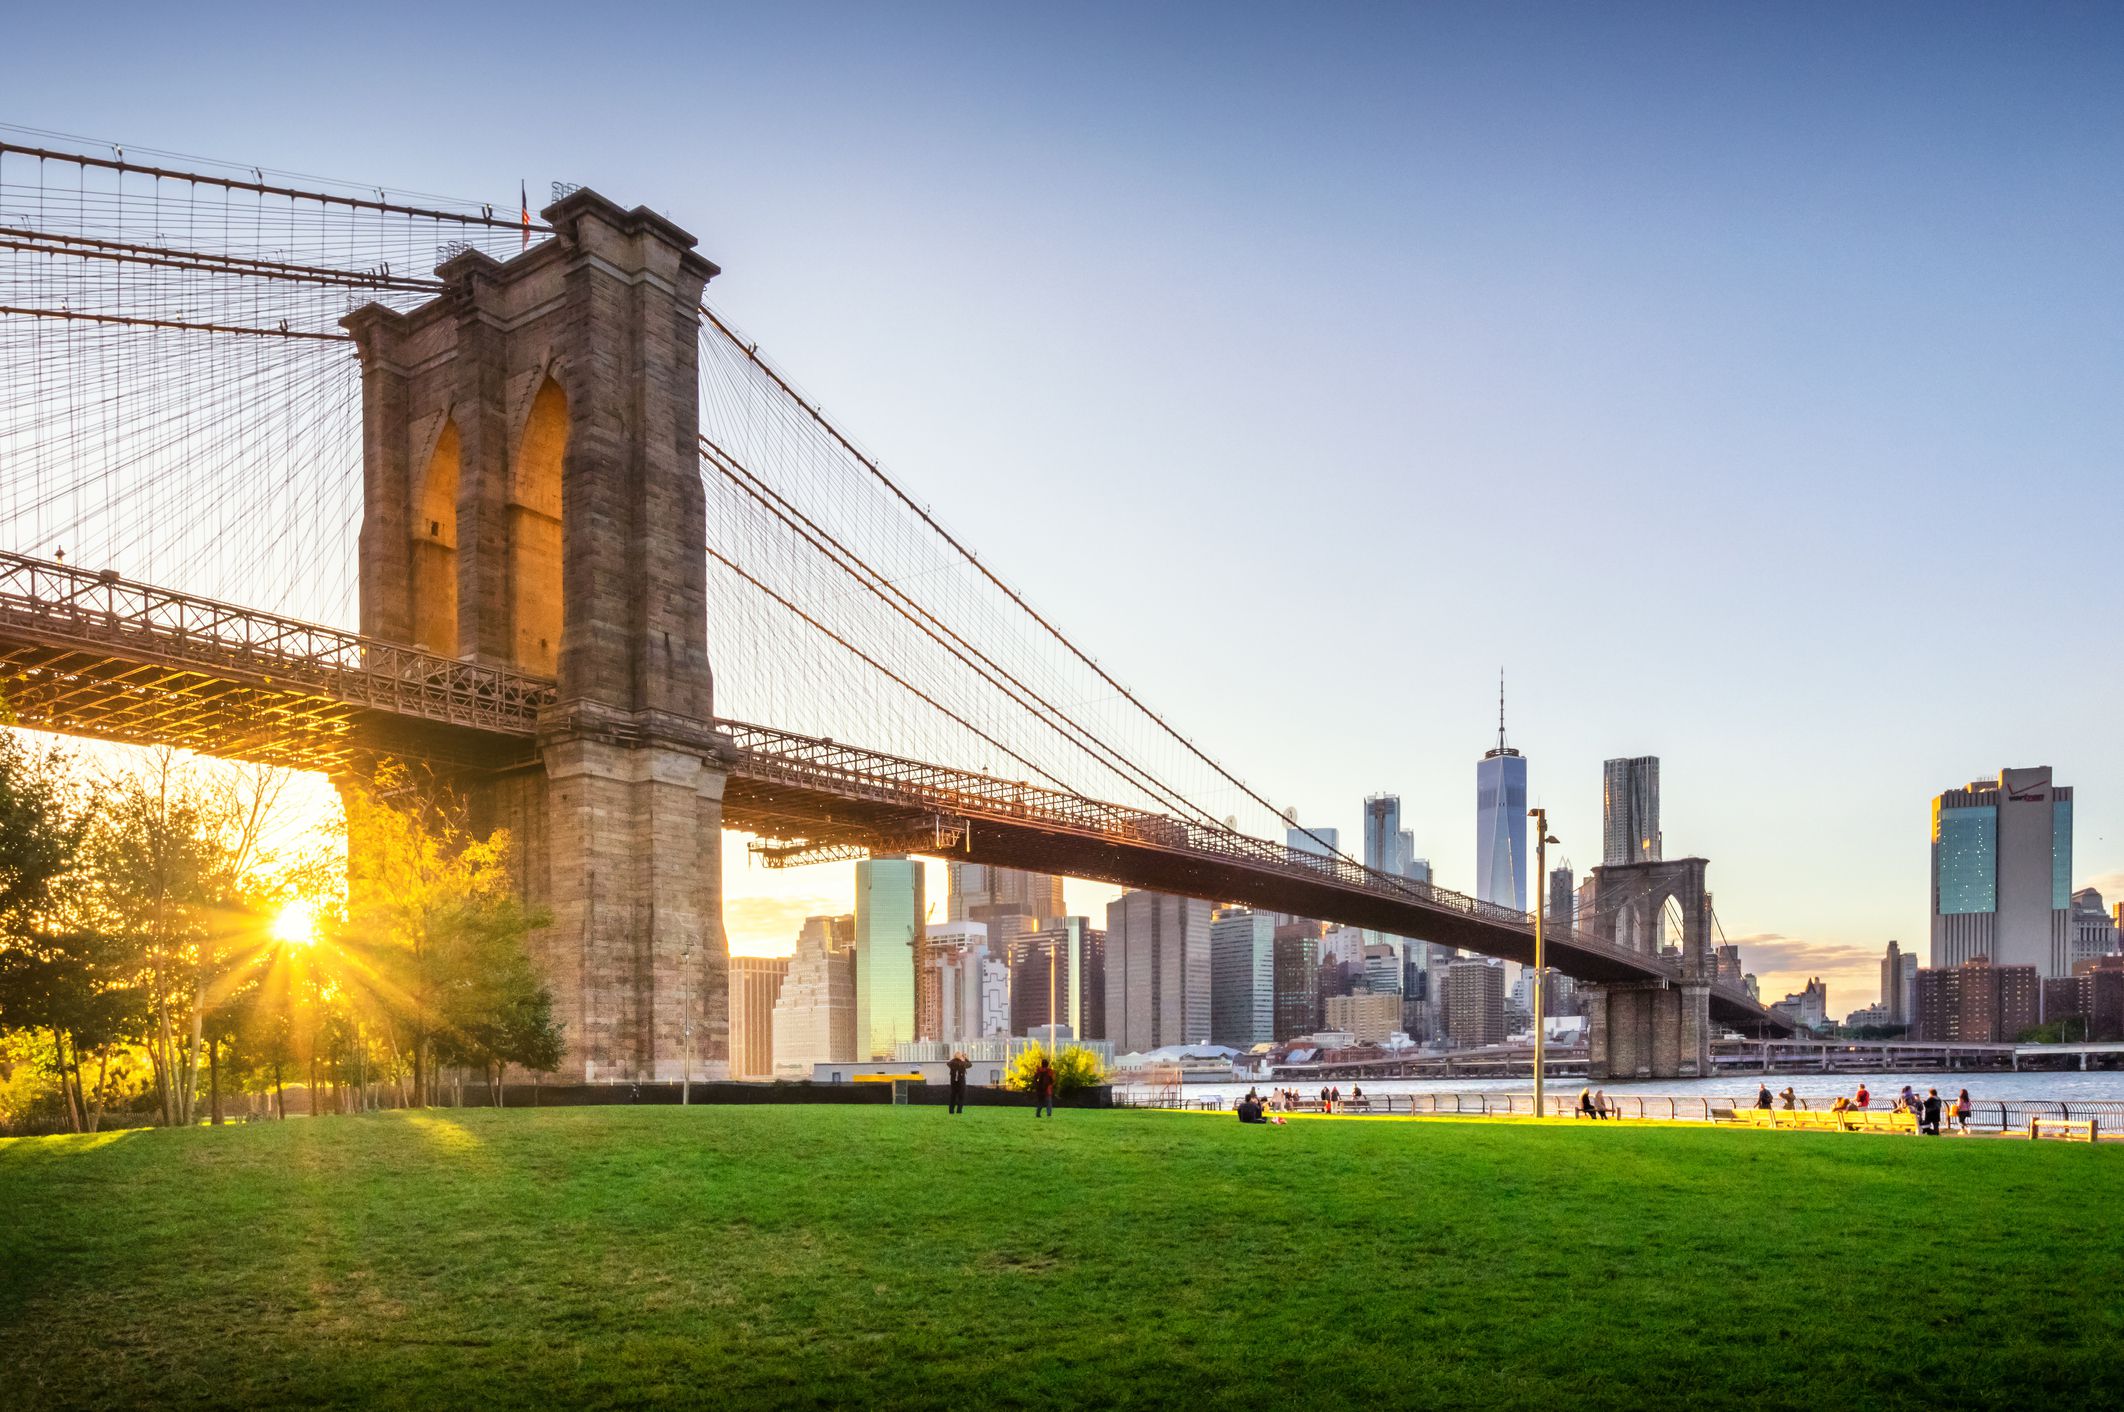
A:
89	653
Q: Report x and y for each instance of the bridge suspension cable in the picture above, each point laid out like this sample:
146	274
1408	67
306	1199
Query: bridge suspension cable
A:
902	555
177	398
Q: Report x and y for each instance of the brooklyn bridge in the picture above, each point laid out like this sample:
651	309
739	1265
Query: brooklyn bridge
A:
318	476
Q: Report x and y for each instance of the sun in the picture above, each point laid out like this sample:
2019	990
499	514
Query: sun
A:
296	925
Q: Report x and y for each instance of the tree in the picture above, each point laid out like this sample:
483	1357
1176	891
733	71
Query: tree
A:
440	935
67	986
39	834
174	871
1076	1068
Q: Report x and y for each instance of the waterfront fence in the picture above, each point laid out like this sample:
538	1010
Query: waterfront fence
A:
1986	1114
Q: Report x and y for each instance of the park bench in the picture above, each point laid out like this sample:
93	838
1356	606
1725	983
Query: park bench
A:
2066	1129
1861	1120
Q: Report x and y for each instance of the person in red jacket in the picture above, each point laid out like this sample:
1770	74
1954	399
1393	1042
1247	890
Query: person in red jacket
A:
1044	1089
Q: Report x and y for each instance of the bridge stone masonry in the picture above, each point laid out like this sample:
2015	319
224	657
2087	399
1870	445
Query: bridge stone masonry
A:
1653	1029
533	502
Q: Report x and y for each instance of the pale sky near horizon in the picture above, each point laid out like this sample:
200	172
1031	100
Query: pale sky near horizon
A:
1743	380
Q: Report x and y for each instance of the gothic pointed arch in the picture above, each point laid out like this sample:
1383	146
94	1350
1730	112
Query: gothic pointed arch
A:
433	552
534	530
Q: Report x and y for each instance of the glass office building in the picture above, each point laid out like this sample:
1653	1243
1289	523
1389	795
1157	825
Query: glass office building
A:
2002	873
1501	828
889	929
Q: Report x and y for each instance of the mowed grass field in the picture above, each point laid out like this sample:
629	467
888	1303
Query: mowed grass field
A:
880	1257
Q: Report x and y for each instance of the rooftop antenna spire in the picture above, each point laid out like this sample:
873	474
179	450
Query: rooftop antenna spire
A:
1500	711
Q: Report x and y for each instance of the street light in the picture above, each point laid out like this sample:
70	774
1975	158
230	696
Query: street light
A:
1542	840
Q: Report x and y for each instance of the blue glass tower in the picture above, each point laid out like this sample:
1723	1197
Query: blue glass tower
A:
1501	821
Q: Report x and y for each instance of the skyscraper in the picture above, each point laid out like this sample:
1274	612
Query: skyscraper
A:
2002	873
2094	932
981	893
1501	822
965	988
1563	896
1319	842
1297	967
1474	1002
755	984
1629	810
1242	978
814	1015
1382	834
1899	970
1157	971
889	948
1059	971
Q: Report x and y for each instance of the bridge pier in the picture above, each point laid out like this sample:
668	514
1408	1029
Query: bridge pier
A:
533	501
1648	1030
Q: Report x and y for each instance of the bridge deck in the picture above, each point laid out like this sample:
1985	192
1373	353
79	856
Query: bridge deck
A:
92	654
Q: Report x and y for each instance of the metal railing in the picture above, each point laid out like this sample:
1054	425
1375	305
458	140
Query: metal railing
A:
59	606
1986	1114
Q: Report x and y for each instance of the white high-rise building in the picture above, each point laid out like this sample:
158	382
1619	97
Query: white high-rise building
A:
1629	810
2002	873
815	1012
971	986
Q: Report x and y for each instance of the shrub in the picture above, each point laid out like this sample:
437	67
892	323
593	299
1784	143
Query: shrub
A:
1077	1068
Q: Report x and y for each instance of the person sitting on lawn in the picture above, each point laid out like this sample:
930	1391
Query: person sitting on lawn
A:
1250	1110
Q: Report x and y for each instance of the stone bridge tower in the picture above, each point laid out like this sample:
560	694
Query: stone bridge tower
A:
1651	1029
533	501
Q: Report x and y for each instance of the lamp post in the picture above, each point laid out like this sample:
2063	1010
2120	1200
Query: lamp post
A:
1542	840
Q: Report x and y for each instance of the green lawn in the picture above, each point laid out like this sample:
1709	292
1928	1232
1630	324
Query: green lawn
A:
817	1256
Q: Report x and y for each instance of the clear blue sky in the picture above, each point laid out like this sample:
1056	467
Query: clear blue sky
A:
1743	379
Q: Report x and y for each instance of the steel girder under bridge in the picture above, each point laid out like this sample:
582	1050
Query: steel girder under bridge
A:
92	654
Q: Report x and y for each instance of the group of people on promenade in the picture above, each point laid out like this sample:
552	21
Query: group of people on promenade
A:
1258	1107
1930	1111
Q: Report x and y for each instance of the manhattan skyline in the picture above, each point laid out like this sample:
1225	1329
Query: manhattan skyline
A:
1725	339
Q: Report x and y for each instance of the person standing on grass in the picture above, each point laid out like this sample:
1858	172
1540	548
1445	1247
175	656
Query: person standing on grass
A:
959	1065
1044	1089
1962	1109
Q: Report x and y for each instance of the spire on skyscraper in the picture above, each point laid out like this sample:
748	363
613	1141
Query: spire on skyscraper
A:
1502	748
